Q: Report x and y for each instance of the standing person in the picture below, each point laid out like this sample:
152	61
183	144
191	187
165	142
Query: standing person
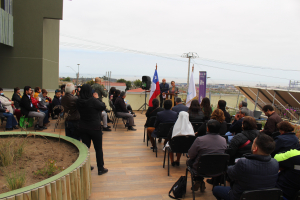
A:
69	103
206	108
90	110
174	90
29	110
102	92
164	88
273	120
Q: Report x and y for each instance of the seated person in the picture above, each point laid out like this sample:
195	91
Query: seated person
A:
222	106
182	127
206	108
56	103
287	139
11	122
195	112
273	120
16	98
111	93
179	106
289	177
35	103
123	112
9	105
30	111
152	111
37	91
166	116
210	143
103	114
242	143
217	115
256	171
245	104
115	96
236	126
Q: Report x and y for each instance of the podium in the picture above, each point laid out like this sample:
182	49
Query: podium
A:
170	96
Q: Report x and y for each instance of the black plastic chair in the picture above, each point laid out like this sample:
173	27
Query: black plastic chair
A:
180	144
196	125
267	194
259	126
163	131
209	165
150	124
116	118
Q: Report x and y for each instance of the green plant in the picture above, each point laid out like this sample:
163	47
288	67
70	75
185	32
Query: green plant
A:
19	149
15	180
49	169
6	153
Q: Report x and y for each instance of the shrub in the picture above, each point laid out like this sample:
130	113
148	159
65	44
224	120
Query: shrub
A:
49	169
6	153
15	180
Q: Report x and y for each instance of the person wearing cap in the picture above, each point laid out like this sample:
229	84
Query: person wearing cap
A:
102	92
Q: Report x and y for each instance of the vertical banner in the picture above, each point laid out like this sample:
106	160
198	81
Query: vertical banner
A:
202	85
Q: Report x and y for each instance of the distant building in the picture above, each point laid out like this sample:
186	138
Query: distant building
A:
29	43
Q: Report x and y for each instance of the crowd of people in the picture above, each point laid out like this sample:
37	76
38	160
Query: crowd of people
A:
82	108
259	159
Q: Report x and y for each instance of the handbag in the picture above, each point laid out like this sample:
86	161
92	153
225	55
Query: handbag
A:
179	188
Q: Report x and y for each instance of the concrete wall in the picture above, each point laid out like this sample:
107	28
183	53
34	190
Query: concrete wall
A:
34	58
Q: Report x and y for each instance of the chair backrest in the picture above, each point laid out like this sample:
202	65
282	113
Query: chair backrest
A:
181	144
213	164
163	129
259	126
196	125
151	122
226	137
267	194
228	126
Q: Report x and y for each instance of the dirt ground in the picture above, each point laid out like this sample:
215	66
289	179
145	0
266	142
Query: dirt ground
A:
37	151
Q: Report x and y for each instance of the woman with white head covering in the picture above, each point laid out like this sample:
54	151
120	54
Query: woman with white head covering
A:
182	127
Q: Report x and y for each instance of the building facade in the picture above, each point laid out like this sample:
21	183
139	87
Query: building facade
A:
30	53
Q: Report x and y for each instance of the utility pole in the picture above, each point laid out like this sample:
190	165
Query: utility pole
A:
77	76
189	56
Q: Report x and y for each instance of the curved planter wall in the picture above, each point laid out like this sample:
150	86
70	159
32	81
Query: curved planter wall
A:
74	183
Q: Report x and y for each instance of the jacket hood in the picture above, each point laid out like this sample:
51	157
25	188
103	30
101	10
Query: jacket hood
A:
83	102
251	134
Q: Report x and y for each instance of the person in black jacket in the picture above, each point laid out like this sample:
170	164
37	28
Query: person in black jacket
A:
16	98
122	111
179	106
222	106
90	109
29	110
56	103
195	112
287	139
152	111
256	171
241	143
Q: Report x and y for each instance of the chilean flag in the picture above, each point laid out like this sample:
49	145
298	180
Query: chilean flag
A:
155	89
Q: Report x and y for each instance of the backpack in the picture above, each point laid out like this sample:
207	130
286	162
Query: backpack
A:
179	188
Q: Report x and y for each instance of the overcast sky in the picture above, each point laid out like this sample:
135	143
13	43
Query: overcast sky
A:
99	35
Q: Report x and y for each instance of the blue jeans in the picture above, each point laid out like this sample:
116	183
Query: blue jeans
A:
46	119
230	136
221	192
11	121
71	128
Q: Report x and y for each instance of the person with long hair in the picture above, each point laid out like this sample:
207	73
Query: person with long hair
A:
116	95
218	115
111	93
206	108
195	112
90	109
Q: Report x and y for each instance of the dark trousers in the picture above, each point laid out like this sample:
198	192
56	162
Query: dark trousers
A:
46	119
71	128
161	100
11	121
221	192
96	137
